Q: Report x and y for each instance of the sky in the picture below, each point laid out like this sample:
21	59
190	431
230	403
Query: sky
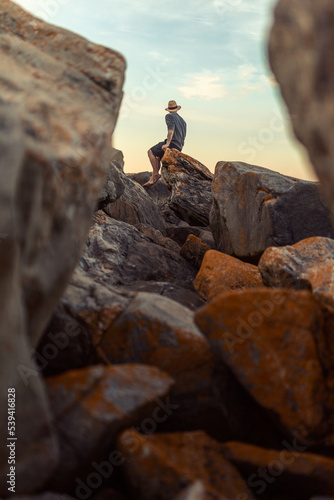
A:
208	55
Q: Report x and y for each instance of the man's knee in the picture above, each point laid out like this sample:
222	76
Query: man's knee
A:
149	152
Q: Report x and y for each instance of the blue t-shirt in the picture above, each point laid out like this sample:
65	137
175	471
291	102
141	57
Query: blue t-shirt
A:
176	122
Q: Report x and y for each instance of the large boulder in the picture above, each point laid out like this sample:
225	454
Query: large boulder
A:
157	331
308	265
135	206
176	460
190	184
268	339
221	273
301	44
255	208
91	406
60	96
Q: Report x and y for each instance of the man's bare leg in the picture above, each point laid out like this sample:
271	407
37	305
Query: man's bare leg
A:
155	162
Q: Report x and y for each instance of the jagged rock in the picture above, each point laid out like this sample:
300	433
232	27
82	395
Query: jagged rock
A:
255	208
268	365
308	264
91	406
114	185
169	459
190	183
301	43
119	255
290	471
86	311
194	250
159	192
181	231
221	273
135	206
157	331
60	96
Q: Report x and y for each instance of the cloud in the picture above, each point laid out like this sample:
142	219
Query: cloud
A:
204	87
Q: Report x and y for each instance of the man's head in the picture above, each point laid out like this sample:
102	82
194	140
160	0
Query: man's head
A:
173	107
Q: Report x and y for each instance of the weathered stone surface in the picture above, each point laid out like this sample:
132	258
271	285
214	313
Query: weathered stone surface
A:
308	264
60	96
291	471
117	254
175	461
157	331
190	183
301	43
114	186
159	192
194	250
221	273
86	311
266	337
255	208
135	206
92	405
181	230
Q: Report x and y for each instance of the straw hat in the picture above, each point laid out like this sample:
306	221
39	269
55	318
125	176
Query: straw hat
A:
173	107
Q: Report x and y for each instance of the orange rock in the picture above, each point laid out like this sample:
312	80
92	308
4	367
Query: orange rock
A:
289	470
161	465
194	250
266	337
220	273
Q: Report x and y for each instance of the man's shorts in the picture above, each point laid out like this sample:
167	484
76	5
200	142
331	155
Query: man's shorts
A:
159	152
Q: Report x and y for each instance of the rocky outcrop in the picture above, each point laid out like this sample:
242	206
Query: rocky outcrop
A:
60	96
308	265
237	325
190	185
135	206
255	208
169	458
113	187
90	408
301	43
220	273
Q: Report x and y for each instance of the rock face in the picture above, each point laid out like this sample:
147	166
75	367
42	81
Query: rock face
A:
308	265
135	206
291	468
194	250
92	405
220	273
301	43
190	183
237	326
60	96
255	208
169	458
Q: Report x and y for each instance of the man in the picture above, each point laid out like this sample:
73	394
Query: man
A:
177	130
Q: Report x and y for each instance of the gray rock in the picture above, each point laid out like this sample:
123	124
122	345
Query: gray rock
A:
301	44
91	406
60	96
113	188
159	192
135	206
190	183
255	208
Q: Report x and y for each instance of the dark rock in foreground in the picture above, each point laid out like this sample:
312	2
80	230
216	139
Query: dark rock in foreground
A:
255	208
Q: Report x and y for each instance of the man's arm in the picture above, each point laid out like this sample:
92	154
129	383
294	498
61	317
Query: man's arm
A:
169	139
